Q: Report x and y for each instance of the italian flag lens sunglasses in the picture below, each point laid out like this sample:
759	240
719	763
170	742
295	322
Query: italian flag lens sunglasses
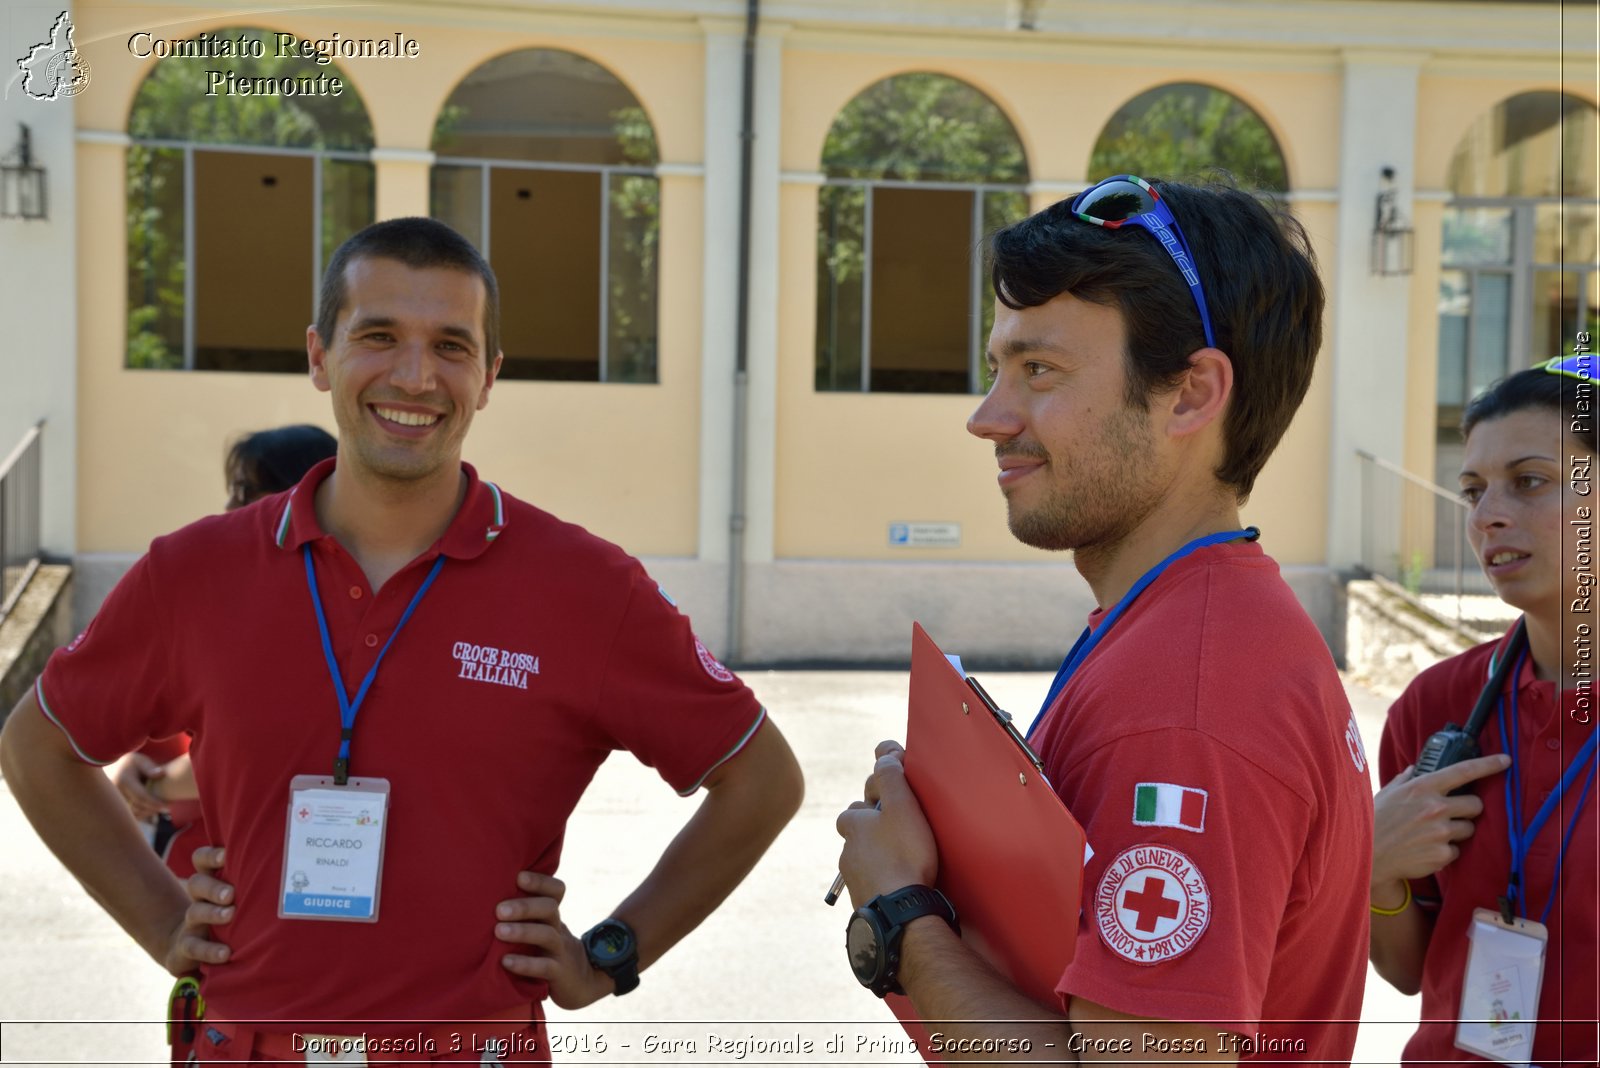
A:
1584	366
1128	200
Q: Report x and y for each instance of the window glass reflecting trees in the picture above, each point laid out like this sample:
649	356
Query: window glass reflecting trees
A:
547	162
234	203
919	168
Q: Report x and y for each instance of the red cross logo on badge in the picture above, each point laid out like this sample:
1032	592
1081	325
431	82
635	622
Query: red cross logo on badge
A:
303	814
1152	905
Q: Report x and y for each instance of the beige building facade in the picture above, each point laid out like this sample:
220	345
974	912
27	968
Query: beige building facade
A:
158	310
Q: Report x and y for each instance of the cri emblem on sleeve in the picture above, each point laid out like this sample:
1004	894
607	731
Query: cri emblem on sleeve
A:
709	662
1152	905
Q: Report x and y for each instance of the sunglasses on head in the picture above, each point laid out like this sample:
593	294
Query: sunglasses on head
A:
1129	200
1583	366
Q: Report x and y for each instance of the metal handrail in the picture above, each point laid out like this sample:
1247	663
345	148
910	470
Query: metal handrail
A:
1416	480
28	438
1399	535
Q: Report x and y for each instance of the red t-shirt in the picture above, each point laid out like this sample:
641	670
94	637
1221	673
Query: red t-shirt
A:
1547	740
537	651
1208	750
188	819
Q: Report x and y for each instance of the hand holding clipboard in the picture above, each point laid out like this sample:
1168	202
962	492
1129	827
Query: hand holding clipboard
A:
1010	855
1007	723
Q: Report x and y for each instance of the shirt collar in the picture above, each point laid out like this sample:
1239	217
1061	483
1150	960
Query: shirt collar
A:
1526	679
1529	687
478	522
1199	558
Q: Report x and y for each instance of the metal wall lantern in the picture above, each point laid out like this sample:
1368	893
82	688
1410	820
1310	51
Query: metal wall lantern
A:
22	185
1391	237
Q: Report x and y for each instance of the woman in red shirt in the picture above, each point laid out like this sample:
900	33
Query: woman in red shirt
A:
1519	841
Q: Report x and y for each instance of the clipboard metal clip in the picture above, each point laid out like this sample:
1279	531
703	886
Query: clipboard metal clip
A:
1003	718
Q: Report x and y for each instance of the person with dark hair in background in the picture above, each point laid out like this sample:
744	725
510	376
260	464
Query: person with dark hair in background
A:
400	680
157	780
271	461
1151	343
1512	832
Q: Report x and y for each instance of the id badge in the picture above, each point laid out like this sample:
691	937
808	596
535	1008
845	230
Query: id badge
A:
1500	993
333	849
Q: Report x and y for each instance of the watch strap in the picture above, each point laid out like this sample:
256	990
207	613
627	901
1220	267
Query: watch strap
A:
912	902
625	976
889	915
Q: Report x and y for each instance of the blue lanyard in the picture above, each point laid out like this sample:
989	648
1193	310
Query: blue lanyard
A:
347	707
1092	636
1520	841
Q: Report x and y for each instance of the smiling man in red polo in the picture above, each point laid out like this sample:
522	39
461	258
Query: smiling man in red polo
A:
399	680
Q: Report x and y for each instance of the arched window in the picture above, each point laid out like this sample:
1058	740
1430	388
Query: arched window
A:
919	167
1518	272
243	177
547	162
1187	129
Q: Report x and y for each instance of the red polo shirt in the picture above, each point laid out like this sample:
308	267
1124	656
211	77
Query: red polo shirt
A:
1548	736
1208	750
537	651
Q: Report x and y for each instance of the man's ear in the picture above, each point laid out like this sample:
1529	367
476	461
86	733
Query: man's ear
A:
490	379
317	356
1202	395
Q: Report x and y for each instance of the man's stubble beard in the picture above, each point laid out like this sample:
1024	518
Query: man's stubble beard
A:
393	465
1107	492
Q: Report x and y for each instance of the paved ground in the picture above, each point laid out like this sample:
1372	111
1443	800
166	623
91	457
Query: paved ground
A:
769	965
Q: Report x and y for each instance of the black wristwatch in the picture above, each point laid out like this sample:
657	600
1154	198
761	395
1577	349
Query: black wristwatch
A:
872	937
613	949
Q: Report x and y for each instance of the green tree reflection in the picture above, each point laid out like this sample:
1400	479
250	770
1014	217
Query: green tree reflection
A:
172	105
924	127
1186	129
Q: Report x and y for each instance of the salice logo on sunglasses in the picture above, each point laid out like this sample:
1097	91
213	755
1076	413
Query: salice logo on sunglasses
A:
1159	228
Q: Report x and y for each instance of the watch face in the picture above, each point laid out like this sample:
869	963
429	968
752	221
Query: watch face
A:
610	942
861	943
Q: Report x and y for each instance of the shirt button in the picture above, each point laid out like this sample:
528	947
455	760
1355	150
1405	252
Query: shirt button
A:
372	641
1552	743
355	593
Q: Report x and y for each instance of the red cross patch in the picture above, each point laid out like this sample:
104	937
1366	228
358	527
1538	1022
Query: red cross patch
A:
710	663
1152	905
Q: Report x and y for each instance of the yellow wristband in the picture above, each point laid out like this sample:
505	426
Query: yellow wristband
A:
1376	911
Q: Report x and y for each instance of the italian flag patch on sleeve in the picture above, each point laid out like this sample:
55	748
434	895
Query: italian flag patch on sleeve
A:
1161	804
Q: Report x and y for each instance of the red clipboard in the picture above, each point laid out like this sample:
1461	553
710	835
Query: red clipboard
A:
1010	854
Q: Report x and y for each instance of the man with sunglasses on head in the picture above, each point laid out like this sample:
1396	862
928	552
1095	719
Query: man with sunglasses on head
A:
1143	373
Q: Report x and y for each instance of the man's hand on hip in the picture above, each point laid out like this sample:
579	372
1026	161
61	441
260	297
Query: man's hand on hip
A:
210	902
535	920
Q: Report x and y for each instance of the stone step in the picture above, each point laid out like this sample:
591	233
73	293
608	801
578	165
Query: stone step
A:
38	624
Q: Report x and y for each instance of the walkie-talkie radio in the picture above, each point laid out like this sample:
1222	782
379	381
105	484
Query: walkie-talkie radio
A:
1454	744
